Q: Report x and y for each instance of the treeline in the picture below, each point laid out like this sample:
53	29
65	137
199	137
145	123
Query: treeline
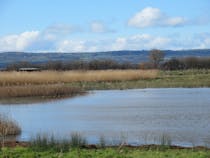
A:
155	62
186	63
74	65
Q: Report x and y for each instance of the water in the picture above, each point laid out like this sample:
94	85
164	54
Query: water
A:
138	116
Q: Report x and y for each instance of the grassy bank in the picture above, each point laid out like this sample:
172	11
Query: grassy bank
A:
47	146
164	79
20	152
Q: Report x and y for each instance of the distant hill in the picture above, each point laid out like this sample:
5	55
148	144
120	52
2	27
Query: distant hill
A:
120	56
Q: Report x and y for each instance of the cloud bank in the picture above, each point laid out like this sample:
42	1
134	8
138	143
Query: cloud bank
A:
37	41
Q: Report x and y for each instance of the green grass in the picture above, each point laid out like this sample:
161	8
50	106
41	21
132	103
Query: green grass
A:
45	146
20	152
165	79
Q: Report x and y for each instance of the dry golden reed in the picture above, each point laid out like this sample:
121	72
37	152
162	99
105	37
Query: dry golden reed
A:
52	77
53	90
8	127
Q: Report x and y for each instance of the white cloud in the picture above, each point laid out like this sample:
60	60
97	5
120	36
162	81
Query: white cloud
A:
202	40
36	41
71	46
82	46
18	42
149	17
119	44
139	42
176	21
99	27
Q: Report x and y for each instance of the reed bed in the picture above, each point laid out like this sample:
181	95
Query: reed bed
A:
54	91
52	77
8	127
46	141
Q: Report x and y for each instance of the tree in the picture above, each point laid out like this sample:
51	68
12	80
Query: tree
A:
156	57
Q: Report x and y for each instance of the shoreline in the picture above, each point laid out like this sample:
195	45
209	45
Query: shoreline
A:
43	99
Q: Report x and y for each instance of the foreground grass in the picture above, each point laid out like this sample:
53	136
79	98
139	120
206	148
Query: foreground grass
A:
20	152
45	146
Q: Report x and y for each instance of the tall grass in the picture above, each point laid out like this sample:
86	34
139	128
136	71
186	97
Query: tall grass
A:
52	77
102	141
43	142
77	140
54	91
165	140
46	142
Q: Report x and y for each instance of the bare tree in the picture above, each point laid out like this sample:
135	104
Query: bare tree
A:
156	57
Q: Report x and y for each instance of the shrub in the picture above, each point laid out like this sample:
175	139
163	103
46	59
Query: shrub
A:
8	127
173	64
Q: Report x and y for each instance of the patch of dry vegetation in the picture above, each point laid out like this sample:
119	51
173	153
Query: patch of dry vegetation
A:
8	127
52	77
53	91
52	83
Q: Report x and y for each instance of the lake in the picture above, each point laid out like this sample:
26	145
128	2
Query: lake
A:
139	116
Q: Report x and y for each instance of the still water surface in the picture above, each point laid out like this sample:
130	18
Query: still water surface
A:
138	116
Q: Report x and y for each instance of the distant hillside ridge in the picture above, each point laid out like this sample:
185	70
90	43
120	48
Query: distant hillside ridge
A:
134	57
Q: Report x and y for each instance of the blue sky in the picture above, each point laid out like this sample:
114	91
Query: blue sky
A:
105	25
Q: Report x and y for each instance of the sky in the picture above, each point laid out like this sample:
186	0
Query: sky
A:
105	25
